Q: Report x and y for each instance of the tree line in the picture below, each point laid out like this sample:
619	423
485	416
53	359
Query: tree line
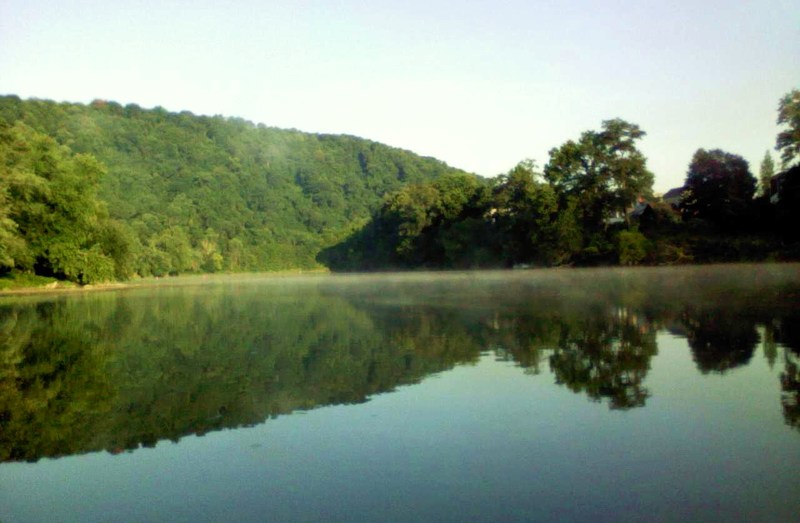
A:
103	191
99	192
592	203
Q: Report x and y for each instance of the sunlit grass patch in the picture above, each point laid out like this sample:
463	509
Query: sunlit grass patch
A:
12	281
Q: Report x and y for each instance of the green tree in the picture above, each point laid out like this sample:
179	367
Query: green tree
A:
120	244
460	195
568	235
12	246
765	174
524	210
52	220
603	171
720	188
788	142
632	247
211	257
177	248
409	212
235	254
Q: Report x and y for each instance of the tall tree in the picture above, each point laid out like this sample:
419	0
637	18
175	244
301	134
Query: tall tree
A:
524	216
51	220
604	171
719	187
765	174
12	246
788	142
410	213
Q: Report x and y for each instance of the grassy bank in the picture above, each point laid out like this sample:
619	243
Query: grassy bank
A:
25	281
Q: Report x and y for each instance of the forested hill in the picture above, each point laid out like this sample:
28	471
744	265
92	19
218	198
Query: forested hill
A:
197	193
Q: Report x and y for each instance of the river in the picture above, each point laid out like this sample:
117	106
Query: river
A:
654	394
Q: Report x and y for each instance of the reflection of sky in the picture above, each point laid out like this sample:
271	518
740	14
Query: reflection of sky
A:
481	442
480	85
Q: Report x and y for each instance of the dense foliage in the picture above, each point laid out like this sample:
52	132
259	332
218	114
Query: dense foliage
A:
98	192
603	172
50	218
765	174
571	213
592	204
200	193
788	142
720	189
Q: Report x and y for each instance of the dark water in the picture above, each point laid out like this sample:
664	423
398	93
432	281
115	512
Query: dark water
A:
567	395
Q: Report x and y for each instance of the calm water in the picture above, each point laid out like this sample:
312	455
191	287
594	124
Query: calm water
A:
566	395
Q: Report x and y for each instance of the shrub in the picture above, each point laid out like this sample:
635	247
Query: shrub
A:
632	247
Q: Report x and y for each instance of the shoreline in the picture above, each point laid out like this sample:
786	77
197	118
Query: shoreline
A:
65	287
55	288
60	287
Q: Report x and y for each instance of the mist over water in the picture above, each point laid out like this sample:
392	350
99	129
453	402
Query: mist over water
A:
603	394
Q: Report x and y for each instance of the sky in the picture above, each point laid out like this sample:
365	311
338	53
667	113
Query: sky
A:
478	84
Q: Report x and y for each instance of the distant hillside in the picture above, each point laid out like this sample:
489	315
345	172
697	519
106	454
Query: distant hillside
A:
205	193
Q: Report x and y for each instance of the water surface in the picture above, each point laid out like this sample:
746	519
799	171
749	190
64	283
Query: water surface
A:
565	395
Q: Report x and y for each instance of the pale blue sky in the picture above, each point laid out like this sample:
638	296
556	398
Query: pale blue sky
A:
478	84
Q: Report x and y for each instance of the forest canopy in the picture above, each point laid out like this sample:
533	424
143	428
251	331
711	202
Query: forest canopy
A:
183	193
51	221
99	192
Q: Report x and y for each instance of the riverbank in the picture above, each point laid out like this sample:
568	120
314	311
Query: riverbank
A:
24	285
28	284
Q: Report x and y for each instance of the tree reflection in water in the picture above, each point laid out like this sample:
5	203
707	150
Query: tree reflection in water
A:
790	387
116	371
786	331
719	341
606	357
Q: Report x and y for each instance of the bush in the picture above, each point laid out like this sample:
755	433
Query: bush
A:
632	247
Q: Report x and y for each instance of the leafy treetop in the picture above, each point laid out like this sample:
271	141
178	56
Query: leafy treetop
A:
788	142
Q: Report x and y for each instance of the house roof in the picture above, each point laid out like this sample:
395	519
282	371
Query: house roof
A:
674	193
640	209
